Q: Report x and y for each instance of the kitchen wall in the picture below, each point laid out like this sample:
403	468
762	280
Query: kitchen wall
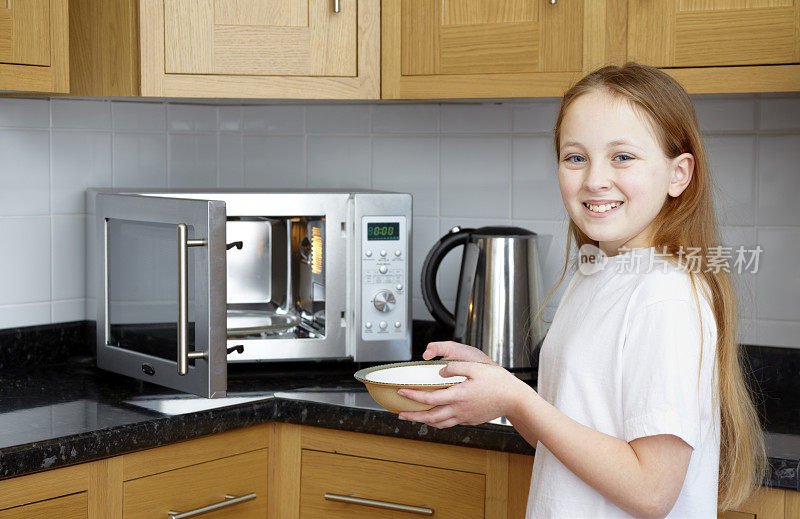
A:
469	164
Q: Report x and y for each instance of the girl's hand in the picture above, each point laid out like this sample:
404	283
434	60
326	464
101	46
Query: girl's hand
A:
451	350
489	392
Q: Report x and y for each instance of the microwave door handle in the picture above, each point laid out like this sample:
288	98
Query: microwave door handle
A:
184	355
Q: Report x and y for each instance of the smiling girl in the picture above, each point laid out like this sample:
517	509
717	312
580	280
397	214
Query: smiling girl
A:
641	406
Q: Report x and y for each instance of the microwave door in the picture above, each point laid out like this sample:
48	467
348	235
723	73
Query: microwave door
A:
161	312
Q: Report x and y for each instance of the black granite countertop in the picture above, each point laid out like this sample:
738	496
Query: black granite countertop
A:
56	415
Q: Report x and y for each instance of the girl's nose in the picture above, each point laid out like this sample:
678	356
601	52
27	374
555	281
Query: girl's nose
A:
597	178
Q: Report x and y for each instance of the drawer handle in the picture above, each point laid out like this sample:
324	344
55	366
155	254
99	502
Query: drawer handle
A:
422	510
229	501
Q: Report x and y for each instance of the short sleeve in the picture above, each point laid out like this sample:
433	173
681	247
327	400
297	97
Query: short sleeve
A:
660	371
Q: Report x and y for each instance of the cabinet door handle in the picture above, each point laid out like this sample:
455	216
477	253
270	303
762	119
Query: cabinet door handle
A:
553	2
183	300
422	510
229	501
336	8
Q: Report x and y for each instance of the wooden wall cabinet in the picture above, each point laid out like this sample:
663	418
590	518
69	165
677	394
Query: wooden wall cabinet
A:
34	45
719	45
300	49
474	48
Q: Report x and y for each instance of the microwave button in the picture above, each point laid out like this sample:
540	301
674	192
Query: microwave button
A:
383	325
397	324
383	253
399	287
368	325
368	253
397	252
383	269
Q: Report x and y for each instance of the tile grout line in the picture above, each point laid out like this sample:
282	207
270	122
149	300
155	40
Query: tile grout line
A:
50	219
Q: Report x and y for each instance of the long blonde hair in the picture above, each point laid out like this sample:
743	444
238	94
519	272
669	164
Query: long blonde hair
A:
688	221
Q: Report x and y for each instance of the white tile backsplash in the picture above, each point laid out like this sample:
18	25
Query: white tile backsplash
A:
80	160
24	113
140	159
139	116
193	160
191	118
339	162
338	118
476	118
25	271
274	162
473	164
24	172
476	176
284	120
779	114
726	114
81	114
779	179
408	164
732	161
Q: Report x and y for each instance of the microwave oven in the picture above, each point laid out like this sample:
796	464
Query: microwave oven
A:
185	282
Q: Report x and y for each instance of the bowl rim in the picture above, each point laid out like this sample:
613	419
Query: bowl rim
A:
361	375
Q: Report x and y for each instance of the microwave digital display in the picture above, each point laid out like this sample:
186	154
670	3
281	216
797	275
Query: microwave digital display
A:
383	231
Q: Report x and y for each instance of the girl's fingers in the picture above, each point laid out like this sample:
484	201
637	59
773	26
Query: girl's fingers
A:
437	397
445	349
450	422
434	415
464	369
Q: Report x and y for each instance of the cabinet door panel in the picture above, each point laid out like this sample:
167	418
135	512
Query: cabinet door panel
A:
198	486
449	493
67	507
25	32
499	37
259	37
697	33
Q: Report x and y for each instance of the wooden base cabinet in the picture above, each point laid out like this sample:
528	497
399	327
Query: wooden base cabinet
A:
287	471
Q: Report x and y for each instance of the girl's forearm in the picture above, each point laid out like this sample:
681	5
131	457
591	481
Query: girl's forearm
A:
607	464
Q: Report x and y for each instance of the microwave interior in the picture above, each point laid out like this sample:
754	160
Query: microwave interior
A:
275	282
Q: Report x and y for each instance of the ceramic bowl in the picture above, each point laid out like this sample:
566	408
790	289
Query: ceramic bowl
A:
383	382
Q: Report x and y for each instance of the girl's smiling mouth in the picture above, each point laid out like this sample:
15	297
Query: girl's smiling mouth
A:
601	208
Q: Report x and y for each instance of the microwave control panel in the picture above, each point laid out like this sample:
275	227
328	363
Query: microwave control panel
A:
384	283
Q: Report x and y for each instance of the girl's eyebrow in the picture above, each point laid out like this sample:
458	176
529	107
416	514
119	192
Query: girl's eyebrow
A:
615	142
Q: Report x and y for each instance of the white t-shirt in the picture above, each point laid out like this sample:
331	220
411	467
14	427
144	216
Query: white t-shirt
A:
622	357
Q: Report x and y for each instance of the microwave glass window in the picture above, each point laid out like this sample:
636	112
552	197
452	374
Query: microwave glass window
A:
275	277
143	288
383	231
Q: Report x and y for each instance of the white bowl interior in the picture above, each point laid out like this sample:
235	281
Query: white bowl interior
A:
410	375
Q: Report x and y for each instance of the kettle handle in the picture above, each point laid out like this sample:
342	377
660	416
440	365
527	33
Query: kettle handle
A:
430	268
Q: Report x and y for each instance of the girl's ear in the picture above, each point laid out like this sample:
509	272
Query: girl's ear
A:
682	170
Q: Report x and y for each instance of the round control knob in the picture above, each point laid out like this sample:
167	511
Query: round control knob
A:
399	287
383	253
383	269
397	252
383	325
367	325
384	301
398	324
368	253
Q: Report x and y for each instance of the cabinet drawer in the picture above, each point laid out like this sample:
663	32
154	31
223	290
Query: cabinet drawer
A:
448	493
201	485
67	507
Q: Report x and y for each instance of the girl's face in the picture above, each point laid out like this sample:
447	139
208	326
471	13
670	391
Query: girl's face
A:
613	174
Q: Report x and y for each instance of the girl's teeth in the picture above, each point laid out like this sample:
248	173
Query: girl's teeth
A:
602	208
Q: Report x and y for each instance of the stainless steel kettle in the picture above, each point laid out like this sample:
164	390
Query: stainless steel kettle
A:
499	292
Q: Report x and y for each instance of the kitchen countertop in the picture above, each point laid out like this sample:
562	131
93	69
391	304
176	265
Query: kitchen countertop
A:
57	415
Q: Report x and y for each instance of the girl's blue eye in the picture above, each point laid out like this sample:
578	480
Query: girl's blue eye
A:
623	157
580	159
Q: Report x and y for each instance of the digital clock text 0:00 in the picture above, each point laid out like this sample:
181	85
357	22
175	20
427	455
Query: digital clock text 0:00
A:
383	231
